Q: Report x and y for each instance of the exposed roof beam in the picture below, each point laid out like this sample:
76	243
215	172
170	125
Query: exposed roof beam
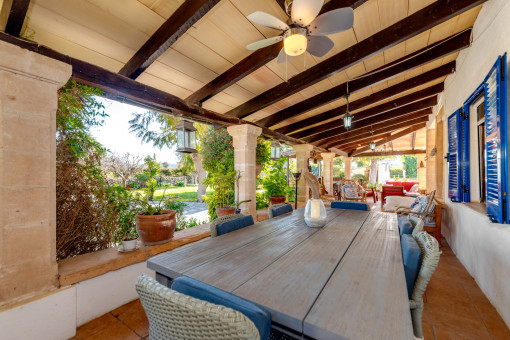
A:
393	137
255	60
392	153
407	28
373	98
388	115
413	140
17	11
125	89
409	62
382	128
179	22
390	105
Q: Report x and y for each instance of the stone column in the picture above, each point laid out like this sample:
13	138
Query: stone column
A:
422	172
431	160
347	165
439	157
302	155
245	144
28	104
328	157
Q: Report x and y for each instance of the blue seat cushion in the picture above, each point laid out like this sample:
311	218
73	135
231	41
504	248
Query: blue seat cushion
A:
200	290
404	225
350	205
284	209
411	254
238	223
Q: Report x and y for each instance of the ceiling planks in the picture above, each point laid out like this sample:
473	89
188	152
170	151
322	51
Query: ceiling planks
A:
172	29
392	153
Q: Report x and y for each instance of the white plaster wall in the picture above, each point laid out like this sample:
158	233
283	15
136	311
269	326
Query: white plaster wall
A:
57	315
481	246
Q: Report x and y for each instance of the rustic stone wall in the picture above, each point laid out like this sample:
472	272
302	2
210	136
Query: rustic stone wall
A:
28	103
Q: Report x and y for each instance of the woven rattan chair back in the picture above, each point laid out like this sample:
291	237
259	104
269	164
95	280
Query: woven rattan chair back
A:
417	225
173	315
213	227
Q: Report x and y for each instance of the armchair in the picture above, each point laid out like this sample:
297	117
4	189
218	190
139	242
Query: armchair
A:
352	192
388	190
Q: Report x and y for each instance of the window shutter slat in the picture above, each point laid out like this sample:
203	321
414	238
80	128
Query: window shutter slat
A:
454	179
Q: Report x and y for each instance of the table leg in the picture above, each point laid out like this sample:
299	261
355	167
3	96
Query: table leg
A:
164	280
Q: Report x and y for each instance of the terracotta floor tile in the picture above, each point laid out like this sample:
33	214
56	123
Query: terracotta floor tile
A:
460	323
95	326
448	334
493	320
122	312
138	322
428	332
115	331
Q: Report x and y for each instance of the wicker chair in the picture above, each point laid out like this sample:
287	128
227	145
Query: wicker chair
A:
274	206
417	225
430	259
173	315
213	227
360	195
315	187
421	209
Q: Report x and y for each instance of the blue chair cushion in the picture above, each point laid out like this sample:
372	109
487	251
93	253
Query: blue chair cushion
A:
350	205
404	225
200	290
238	223
284	209
411	254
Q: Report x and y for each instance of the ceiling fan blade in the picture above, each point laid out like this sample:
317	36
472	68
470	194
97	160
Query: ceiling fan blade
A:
283	57
303	12
265	19
332	22
263	43
319	45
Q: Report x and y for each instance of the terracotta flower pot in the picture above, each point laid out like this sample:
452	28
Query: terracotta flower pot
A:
277	199
223	211
156	229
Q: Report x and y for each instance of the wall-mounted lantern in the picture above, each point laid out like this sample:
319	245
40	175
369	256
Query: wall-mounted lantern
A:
276	151
186	137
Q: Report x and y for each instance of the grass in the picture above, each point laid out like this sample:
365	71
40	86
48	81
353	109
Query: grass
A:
185	194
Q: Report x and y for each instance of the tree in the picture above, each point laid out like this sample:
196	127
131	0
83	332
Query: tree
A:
152	169
167	137
123	166
411	166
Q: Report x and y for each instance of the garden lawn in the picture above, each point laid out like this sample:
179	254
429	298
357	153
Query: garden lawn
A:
185	194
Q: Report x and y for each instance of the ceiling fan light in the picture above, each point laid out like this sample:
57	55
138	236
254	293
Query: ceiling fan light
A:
295	42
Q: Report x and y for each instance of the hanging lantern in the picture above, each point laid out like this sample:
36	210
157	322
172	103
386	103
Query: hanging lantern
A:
186	137
276	151
372	146
347	117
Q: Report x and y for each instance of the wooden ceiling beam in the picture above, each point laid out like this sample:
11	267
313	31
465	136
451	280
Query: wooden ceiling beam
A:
407	28
407	63
17	12
393	104
255	60
383	127
125	89
393	137
166	35
388	115
392	153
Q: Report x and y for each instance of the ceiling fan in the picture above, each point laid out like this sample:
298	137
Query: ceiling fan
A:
305	30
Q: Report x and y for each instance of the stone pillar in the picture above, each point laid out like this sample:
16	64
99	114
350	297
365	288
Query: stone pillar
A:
439	157
422	172
302	155
431	160
347	167
327	158
245	145
28	103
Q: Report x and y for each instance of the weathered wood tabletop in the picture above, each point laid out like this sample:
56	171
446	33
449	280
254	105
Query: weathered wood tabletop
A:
345	280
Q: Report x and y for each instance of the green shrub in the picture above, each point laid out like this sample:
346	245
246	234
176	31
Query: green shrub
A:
396	173
261	200
275	182
359	177
180	184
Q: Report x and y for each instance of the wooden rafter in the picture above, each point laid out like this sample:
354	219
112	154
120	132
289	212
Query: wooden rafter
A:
392	153
17	11
407	28
179	22
413	140
379	129
255	60
373	98
388	115
393	137
125	89
407	63
390	105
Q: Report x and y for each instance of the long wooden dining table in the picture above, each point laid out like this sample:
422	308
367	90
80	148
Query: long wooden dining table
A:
343	281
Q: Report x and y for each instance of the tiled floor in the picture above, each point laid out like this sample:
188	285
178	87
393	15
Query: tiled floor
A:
455	308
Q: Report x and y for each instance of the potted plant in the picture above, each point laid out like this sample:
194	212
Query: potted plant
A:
224	194
275	183
154	224
237	202
126	233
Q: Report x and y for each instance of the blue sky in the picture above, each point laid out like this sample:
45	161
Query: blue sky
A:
115	135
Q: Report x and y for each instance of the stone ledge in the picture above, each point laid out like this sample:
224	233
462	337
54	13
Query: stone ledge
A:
87	266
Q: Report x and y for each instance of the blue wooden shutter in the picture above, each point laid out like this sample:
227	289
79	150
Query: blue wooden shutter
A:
464	154
496	142
454	180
